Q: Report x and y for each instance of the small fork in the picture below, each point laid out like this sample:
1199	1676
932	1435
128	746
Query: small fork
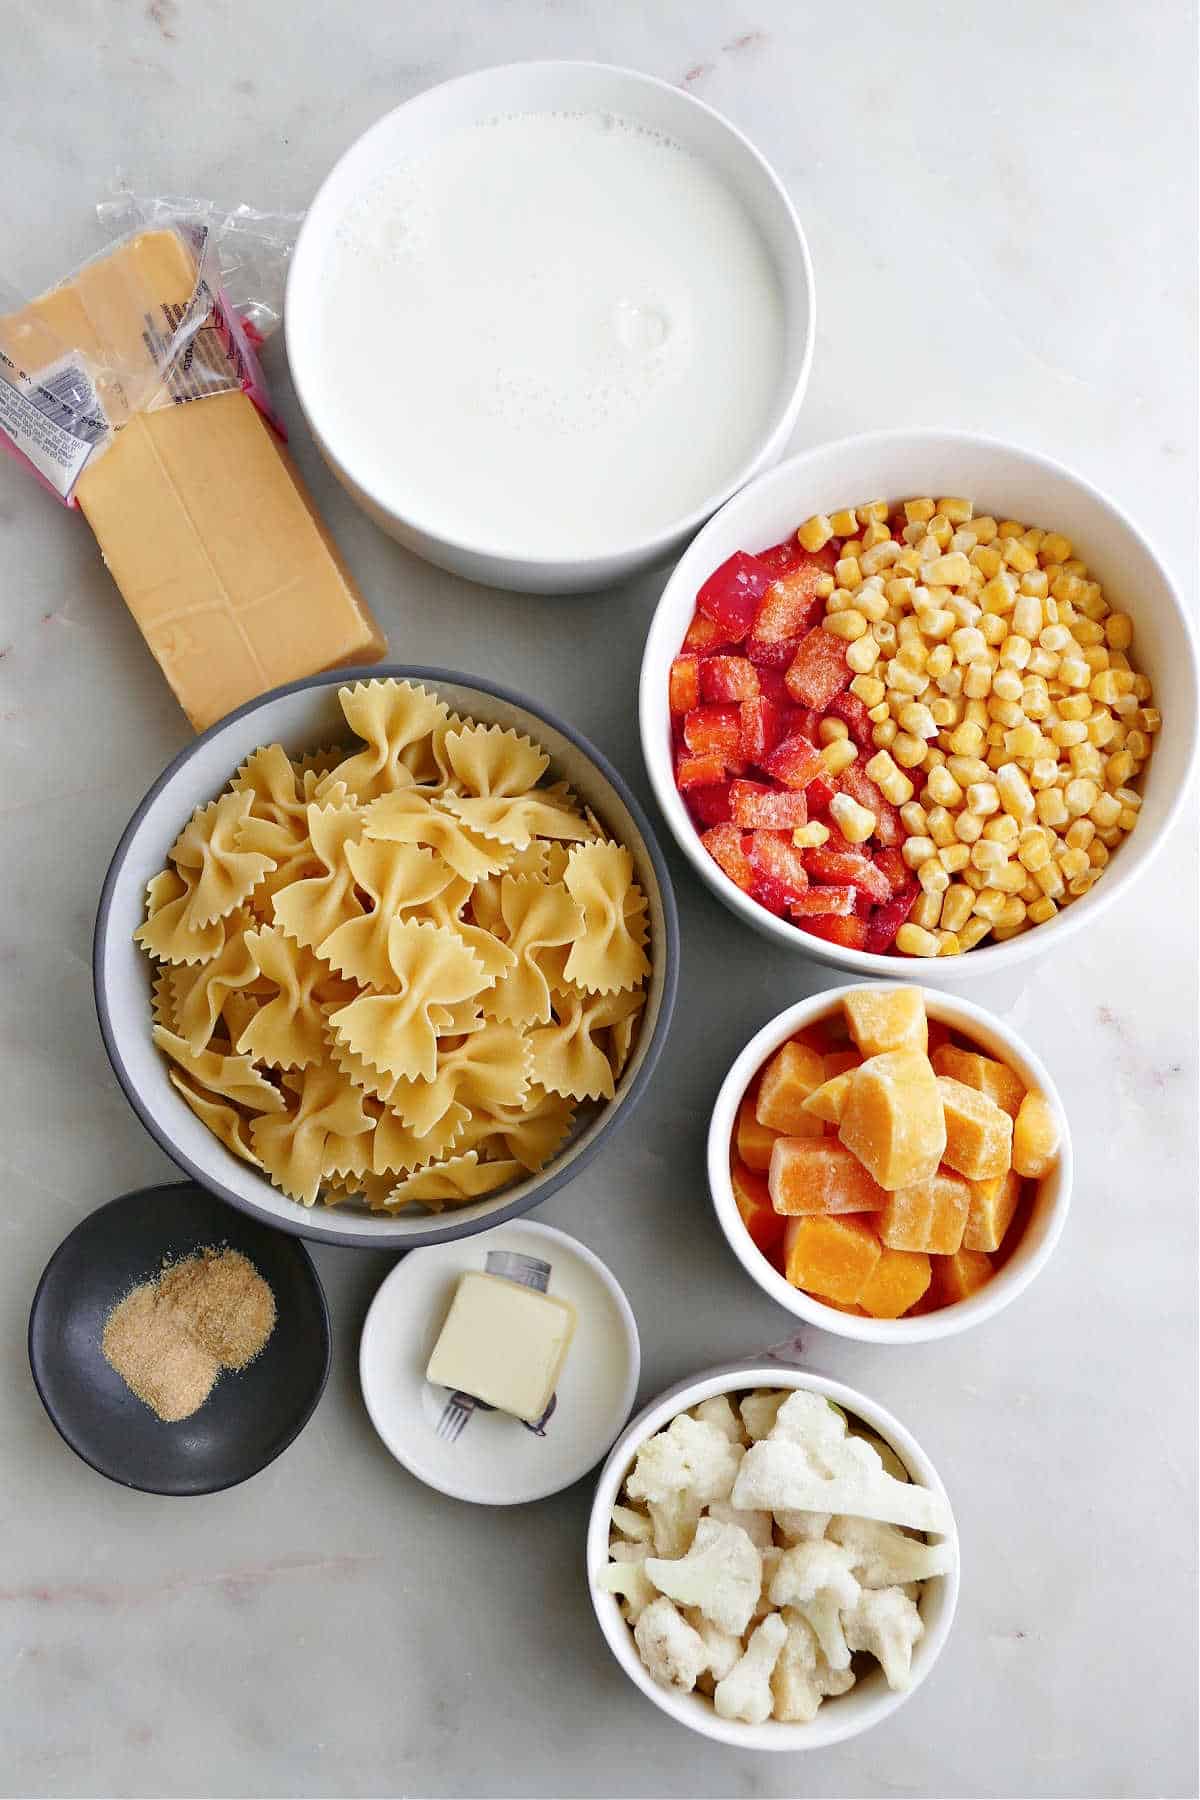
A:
454	1416
530	1271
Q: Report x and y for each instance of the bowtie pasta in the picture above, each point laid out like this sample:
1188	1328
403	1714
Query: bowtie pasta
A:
395	974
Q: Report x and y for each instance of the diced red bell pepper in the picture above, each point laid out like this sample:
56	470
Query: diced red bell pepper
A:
858	784
770	893
772	684
851	932
704	634
791	606
886	920
819	793
725	678
820	901
712	730
710	805
850	709
753	1200
699	771
731	594
783	557
724	845
758	808
893	867
771	653
864	906
795	762
684	683
847	866
773	854
761	728
819	669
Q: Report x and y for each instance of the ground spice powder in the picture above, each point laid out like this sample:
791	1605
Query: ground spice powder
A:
169	1339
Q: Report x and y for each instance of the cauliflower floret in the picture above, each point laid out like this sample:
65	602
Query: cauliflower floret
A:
718	1411
883	1451
885	1557
722	1646
770	1562
721	1574
632	1524
803	1676
756	1525
779	1474
816	1579
673	1522
801	1527
758	1412
745	1693
885	1622
625	1575
809	1419
670	1649
691	1455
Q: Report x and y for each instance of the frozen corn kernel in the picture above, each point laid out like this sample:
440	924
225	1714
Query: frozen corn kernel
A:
810	836
867	689
815	533
957	904
911	940
1118	631
939	825
849	624
1040	912
918	850
856	823
862	655
891	781
838	755
1036	1136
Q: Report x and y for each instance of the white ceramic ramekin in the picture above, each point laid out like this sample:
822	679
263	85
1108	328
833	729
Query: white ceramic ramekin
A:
1037	1241
1011	483
845	1715
534	87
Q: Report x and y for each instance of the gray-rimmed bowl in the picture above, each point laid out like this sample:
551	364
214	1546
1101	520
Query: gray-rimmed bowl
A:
306	716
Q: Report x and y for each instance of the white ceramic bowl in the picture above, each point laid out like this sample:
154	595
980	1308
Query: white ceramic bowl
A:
1008	482
532	87
1038	1239
306	716
843	1716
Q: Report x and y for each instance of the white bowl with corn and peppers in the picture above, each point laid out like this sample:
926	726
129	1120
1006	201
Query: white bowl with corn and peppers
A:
772	1557
919	697
832	1200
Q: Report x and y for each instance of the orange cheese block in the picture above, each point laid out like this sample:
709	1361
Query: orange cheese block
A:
930	1216
892	1118
979	1134
753	1140
891	1018
788	1079
819	1175
993	1203
200	515
831	1257
959	1276
1036	1136
995	1079
896	1282
840	1062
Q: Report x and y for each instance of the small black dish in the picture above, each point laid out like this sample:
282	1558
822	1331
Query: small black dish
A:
248	1419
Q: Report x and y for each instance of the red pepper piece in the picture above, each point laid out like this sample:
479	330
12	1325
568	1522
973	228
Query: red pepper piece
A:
712	730
820	901
893	867
851	933
783	557
704	635
819	793
773	854
846	866
770	893
886	920
699	771
710	805
795	762
791	606
731	594
858	784
775	653
684	685
760	730
725	678
819	669
850	709
759	808
724	845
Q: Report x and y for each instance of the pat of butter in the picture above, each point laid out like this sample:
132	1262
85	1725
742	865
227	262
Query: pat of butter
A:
503	1343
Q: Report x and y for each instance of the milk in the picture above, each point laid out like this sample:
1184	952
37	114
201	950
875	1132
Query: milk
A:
552	334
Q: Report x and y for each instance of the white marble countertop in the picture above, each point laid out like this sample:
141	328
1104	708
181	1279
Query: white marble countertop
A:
1000	205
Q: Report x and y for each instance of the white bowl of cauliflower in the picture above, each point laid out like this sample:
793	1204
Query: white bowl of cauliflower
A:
772	1558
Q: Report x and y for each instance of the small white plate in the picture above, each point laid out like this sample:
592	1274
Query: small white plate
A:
488	1457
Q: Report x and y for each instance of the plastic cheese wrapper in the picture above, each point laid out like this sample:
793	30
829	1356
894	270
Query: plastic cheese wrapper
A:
133	391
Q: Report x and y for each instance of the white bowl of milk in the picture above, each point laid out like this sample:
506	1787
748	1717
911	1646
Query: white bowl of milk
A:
545	319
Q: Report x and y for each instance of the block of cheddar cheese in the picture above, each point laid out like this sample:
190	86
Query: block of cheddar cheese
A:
892	1118
787	1081
199	512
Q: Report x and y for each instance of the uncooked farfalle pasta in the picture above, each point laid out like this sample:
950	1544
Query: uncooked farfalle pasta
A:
395	974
